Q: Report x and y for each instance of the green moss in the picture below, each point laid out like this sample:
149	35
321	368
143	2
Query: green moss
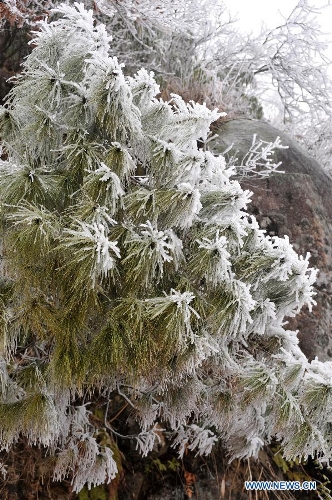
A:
97	493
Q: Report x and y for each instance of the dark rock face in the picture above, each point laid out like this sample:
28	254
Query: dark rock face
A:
297	203
13	48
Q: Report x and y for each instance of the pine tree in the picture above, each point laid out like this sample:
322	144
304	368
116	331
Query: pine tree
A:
130	266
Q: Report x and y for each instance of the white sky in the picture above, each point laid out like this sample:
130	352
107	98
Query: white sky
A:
253	13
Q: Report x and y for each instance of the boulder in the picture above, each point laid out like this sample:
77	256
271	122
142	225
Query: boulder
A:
297	203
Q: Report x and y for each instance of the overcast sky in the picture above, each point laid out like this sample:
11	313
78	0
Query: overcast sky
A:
253	13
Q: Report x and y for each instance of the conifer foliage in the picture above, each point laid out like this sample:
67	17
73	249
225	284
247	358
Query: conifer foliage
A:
130	266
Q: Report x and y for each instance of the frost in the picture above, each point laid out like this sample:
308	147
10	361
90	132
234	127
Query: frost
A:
144	88
192	119
145	441
259	160
104	248
265	312
187	191
182	300
221	270
160	305
87	462
3	470
94	236
159	240
196	438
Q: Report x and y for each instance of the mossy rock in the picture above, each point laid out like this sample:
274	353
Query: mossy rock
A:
96	493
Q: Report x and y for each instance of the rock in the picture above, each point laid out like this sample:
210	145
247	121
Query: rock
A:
133	486
13	49
297	203
168	493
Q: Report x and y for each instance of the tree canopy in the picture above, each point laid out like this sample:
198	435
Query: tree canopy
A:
131	266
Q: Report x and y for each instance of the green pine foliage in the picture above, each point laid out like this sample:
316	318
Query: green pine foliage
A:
130	265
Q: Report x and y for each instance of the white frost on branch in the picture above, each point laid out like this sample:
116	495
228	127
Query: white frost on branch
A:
145	441
196	438
94	237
